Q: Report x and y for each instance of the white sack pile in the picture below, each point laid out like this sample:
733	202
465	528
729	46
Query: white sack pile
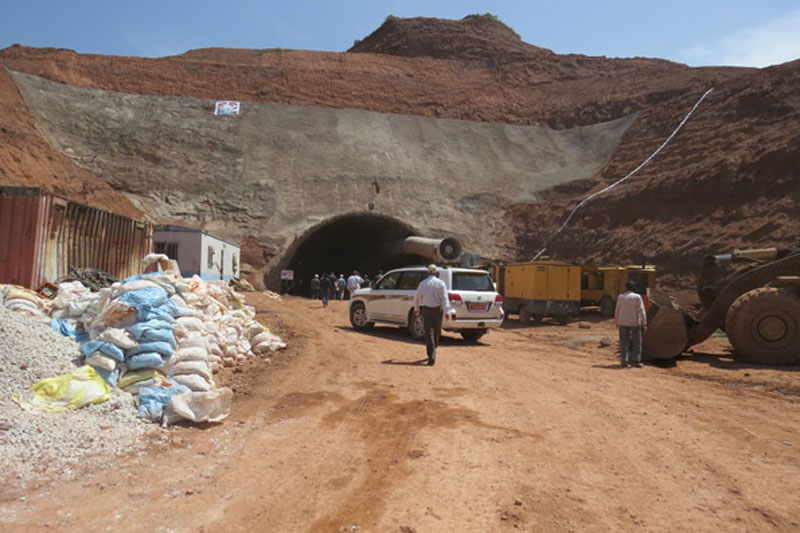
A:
21	300
158	336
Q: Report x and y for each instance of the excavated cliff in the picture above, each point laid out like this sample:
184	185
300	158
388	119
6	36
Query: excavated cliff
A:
554	127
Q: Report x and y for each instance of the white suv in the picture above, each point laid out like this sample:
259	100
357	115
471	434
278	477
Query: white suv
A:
477	305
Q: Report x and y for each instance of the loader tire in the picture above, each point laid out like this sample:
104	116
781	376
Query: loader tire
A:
607	306
763	325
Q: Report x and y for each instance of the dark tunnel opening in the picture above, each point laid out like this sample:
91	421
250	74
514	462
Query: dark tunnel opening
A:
353	242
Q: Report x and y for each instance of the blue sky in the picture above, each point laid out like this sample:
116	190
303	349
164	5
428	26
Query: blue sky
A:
699	32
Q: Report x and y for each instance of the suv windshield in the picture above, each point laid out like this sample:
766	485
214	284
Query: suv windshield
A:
468	281
389	281
411	279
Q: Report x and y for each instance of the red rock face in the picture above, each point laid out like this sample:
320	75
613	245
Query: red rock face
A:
729	178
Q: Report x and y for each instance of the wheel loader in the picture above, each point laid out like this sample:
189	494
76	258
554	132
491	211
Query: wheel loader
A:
753	295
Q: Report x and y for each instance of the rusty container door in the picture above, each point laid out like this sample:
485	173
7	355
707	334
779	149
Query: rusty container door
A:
54	222
92	238
43	237
21	234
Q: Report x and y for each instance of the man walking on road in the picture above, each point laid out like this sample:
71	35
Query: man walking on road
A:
430	301
325	286
631	319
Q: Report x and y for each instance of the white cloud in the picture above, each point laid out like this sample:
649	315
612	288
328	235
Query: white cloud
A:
770	43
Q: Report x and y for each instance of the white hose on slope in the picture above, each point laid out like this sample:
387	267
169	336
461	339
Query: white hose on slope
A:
634	171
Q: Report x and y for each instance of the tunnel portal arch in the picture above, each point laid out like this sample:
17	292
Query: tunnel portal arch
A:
357	241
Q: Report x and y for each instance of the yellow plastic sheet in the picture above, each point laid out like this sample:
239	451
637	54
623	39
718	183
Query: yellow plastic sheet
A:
135	376
69	391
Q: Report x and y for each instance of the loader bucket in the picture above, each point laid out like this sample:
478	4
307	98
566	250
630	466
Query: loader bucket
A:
667	334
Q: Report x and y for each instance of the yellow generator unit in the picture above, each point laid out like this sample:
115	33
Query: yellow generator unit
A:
602	285
537	289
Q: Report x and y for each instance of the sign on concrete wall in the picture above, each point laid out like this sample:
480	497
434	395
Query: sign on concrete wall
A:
226	107
287	274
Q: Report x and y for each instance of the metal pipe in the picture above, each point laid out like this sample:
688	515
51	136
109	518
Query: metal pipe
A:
757	253
438	250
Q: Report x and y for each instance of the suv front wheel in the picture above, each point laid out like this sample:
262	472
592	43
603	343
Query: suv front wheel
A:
358	317
416	328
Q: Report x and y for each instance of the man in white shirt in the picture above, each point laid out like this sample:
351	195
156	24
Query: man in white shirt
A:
431	301
631	319
353	283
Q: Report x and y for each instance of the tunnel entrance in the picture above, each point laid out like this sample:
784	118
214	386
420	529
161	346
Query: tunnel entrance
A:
343	244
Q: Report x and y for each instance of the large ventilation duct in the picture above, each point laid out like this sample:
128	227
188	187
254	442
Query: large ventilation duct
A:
445	250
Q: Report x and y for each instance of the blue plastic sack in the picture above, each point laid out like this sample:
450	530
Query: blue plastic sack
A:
68	330
172	308
153	399
137	277
154	331
155	313
162	348
63	327
139	328
159	335
144	360
109	376
152	296
150	302
108	348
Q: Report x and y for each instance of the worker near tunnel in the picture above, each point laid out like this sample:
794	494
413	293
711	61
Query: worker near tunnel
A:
431	302
325	287
353	284
315	287
341	285
631	319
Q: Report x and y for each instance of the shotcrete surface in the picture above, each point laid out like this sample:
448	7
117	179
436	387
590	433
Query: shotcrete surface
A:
276	170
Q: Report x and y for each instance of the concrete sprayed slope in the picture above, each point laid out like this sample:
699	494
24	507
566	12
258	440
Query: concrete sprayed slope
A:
277	170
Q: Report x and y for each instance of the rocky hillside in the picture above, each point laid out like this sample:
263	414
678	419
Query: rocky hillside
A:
728	179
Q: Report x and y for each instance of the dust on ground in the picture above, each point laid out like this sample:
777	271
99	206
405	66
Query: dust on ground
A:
533	428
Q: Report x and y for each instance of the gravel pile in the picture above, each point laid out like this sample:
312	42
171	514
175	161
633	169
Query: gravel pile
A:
35	444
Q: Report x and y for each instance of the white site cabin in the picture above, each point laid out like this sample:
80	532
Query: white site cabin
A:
198	252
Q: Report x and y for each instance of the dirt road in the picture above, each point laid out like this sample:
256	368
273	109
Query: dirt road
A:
532	429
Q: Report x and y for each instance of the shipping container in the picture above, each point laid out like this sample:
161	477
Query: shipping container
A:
536	289
44	236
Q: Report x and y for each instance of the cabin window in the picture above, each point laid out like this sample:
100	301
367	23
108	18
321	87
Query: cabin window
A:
170	249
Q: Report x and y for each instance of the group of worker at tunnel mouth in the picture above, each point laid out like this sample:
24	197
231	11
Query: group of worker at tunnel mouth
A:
367	242
326	286
373	257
